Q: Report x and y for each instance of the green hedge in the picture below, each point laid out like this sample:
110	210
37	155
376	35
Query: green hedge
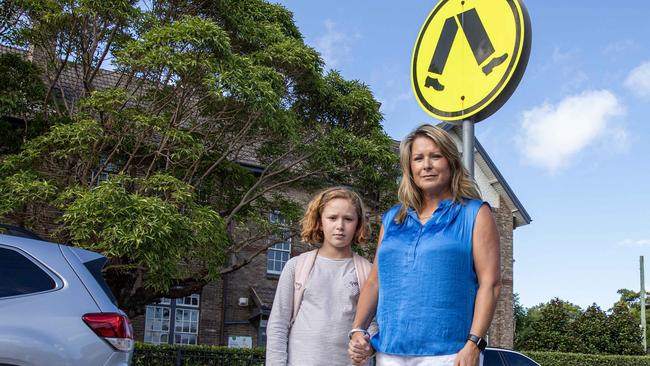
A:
168	355
214	355
220	349
577	359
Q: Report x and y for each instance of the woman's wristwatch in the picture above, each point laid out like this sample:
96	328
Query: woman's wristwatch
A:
355	330
480	342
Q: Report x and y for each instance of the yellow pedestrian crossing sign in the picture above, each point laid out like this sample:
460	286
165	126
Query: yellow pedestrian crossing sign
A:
469	57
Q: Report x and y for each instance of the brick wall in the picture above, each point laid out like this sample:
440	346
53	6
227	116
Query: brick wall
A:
502	329
210	324
238	284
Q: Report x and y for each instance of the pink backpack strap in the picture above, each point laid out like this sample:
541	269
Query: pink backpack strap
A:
363	268
304	264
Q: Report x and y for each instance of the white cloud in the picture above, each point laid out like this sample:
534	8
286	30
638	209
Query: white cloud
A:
618	48
638	80
634	243
551	135
334	45
562	56
618	139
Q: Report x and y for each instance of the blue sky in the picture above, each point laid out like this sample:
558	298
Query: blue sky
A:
573	141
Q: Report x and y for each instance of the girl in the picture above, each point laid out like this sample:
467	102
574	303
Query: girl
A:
316	297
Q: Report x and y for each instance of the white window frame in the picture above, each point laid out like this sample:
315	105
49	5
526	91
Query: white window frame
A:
277	253
181	326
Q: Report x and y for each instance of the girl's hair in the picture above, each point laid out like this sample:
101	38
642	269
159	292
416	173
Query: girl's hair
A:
462	186
312	232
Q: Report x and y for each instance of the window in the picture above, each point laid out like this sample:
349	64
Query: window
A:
21	276
182	328
261	332
109	169
278	254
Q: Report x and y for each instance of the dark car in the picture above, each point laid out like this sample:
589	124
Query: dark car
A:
505	357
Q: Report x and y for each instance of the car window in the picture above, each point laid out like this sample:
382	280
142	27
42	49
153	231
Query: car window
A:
20	276
515	359
491	358
95	268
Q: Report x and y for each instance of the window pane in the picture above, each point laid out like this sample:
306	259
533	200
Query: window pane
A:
19	275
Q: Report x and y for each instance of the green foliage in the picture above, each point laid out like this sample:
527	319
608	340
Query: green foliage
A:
188	45
633	300
564	327
22	188
21	96
145	353
552	330
624	332
593	327
159	229
576	359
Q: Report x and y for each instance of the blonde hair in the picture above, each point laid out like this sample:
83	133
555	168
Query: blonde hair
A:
462	185
312	232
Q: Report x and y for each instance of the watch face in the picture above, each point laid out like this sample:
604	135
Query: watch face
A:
482	343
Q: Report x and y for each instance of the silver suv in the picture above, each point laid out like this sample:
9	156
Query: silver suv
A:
56	309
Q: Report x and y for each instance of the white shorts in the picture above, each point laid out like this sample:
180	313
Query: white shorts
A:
384	359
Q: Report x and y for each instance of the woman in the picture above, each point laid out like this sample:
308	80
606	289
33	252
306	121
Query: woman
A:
436	277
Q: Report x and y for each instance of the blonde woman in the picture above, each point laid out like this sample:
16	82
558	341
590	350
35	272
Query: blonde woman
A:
436	276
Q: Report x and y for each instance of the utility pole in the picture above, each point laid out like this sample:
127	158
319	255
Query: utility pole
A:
642	298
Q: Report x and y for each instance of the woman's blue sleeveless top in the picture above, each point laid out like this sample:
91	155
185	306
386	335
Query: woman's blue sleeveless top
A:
427	282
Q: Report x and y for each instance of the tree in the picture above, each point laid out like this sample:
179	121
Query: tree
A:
561	326
521	320
21	94
624	331
591	331
550	327
632	299
219	110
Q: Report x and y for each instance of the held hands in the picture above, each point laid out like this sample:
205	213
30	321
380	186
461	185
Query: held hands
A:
469	355
359	349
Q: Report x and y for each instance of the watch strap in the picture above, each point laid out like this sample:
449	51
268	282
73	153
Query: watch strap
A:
481	343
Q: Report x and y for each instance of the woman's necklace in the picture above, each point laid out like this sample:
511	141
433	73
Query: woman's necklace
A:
424	219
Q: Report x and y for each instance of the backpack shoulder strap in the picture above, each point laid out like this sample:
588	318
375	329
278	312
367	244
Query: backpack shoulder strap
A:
304	264
363	268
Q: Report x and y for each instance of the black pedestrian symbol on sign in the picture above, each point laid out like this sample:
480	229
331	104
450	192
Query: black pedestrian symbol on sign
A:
478	40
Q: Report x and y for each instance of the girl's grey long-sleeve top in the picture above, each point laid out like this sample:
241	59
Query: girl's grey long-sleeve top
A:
319	335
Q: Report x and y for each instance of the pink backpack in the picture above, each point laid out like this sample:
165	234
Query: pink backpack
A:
304	265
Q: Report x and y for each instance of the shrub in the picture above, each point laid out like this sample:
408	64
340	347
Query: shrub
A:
578	359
